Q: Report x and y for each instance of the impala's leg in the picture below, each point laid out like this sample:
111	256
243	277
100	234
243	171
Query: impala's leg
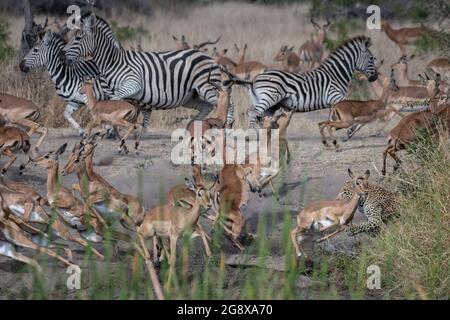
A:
322	126
27	209
15	235
385	153
287	152
34	127
294	234
92	124
353	129
65	234
71	108
342	228
8	250
398	163
334	125
205	241
335	223
7	152
173	256
129	127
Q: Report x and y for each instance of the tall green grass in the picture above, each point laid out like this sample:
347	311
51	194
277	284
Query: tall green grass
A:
412	252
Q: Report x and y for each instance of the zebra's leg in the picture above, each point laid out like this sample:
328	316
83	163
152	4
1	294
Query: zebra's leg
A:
230	116
71	108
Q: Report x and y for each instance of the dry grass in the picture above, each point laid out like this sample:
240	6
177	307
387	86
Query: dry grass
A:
264	28
413	251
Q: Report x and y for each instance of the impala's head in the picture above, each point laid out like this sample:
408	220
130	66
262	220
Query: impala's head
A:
42	53
320	29
50	159
74	161
201	193
80	152
283	53
360	183
181	43
88	85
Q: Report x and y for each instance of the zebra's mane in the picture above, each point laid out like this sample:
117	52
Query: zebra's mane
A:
99	22
366	41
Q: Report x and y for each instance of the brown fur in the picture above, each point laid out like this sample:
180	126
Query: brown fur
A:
22	112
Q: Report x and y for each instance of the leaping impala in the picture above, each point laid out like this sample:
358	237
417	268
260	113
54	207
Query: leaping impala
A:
12	140
405	132
114	112
22	112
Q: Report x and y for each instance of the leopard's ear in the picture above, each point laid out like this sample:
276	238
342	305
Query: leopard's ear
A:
350	173
367	174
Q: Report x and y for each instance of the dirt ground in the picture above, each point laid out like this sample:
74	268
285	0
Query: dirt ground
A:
315	173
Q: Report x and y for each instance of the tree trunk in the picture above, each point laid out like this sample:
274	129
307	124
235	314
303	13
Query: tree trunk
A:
31	30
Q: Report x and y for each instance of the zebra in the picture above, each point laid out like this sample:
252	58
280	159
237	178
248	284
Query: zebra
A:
158	80
315	90
67	80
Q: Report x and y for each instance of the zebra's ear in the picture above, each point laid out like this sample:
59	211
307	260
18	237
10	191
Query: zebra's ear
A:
47	37
89	22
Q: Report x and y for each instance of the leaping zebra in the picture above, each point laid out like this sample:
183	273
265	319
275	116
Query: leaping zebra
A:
313	90
67	80
158	80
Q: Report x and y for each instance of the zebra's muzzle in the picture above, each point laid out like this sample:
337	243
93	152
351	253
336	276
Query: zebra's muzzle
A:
373	77
23	67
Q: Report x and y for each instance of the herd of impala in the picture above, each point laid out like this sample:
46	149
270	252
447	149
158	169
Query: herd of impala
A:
93	206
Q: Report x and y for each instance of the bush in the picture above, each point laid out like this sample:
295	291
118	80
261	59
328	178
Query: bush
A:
412	252
6	50
126	33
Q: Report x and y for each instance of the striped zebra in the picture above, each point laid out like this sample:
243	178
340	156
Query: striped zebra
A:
67	80
157	80
313	90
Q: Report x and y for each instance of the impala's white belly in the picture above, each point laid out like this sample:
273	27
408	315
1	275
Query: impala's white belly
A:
71	219
40	240
91	236
18	210
322	224
106	212
7	249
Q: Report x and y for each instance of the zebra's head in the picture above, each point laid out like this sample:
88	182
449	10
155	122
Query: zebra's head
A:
365	61
82	44
94	32
40	55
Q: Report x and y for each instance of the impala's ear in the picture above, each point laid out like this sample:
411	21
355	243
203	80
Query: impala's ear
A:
174	38
350	173
61	149
190	184
367	174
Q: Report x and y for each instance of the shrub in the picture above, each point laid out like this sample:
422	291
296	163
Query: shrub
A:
6	50
412	252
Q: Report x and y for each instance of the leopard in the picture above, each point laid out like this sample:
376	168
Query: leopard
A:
379	206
